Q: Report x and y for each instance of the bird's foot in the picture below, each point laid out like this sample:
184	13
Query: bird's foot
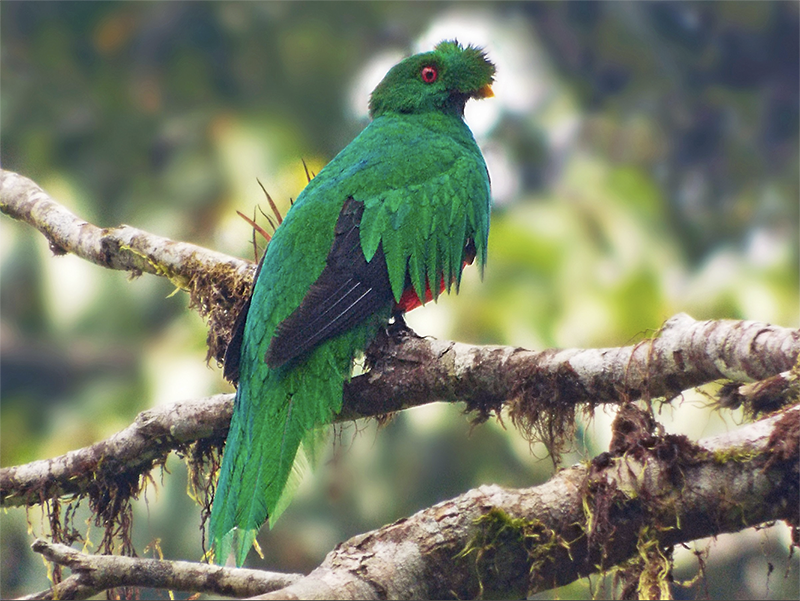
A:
397	328
389	336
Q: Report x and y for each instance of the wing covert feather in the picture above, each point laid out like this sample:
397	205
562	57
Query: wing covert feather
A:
348	290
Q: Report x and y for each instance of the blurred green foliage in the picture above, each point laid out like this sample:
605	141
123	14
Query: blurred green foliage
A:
644	158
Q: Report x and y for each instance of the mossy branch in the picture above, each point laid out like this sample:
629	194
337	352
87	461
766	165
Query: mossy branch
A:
123	247
411	372
621	508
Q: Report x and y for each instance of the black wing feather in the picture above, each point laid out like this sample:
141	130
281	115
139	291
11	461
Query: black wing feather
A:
230	370
348	290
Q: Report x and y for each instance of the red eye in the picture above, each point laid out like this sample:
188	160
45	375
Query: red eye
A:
429	74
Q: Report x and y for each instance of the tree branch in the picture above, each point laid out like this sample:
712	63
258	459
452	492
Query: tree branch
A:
124	247
500	542
413	371
684	354
92	574
135	450
218	284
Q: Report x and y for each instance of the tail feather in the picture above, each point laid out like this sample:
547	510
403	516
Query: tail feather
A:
258	470
277	428
261	465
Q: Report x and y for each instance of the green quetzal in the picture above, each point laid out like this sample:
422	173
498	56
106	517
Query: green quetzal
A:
387	225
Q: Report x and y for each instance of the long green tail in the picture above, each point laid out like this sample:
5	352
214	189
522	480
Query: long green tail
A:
276	411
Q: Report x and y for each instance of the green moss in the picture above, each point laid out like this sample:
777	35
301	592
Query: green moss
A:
646	575
736	454
530	542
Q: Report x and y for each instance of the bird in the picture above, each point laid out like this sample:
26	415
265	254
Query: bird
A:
386	226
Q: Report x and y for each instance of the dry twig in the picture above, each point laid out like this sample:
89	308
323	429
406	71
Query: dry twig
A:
92	574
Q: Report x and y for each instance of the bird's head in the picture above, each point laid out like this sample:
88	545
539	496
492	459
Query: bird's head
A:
441	80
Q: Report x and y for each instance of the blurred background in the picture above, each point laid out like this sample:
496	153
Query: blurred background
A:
644	162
